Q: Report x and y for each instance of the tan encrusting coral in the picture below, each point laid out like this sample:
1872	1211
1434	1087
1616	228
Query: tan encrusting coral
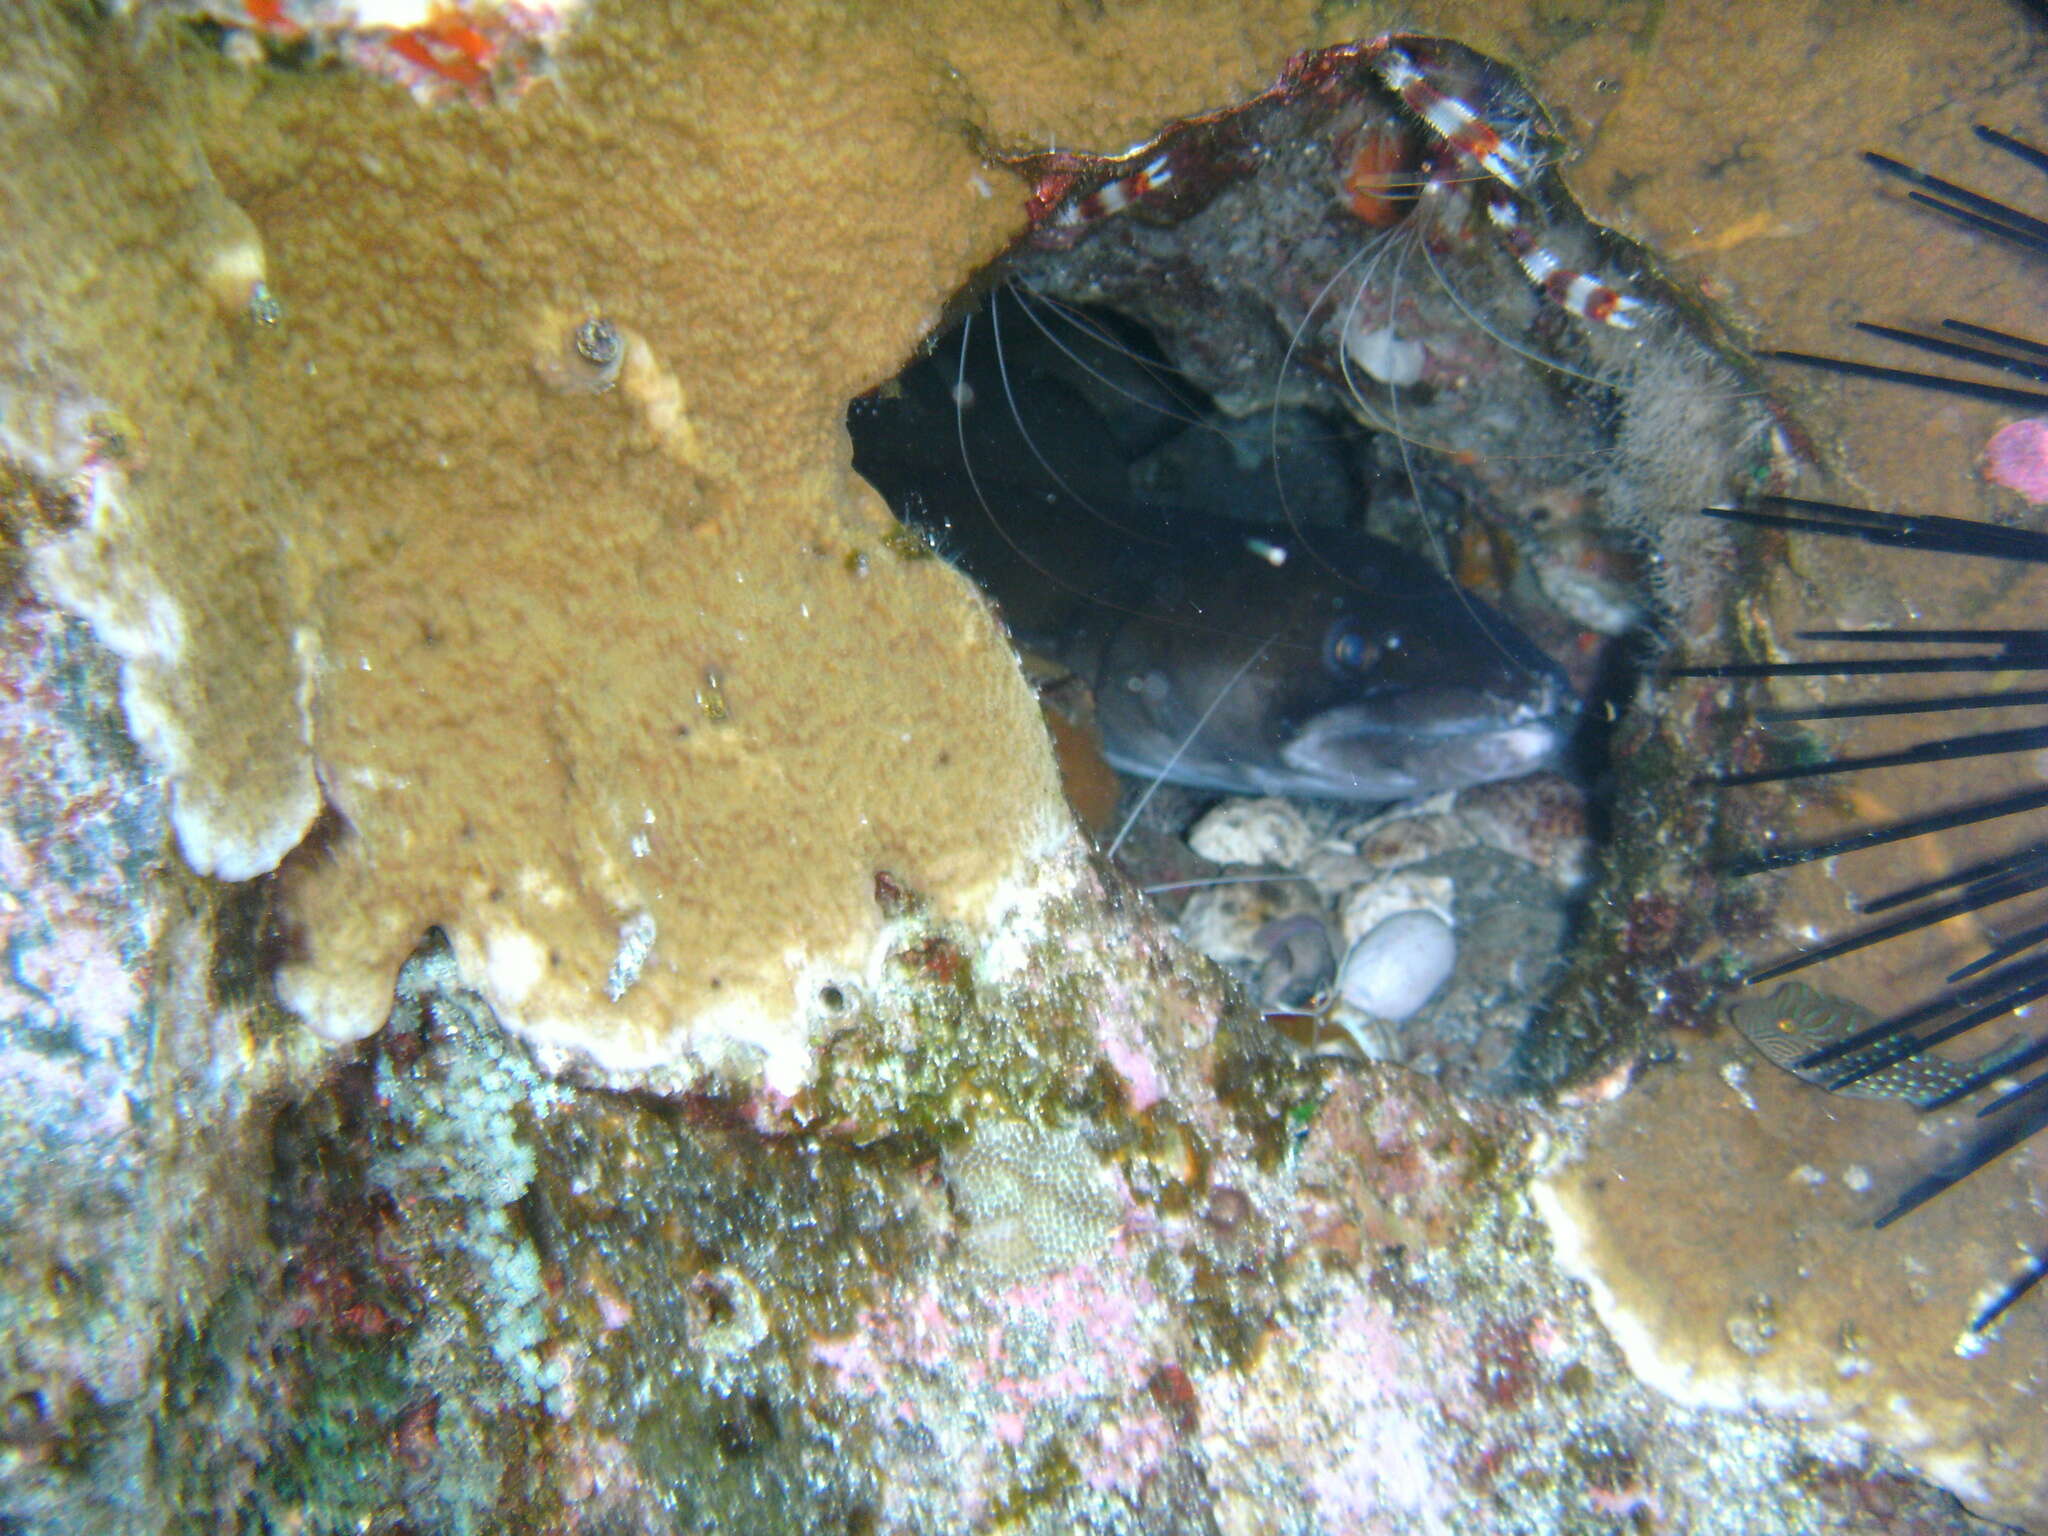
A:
1721	1216
624	688
126	277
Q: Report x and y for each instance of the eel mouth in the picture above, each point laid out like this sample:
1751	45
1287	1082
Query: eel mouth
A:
1436	738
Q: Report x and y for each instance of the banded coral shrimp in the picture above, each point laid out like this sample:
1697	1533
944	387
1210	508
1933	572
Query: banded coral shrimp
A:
1376	252
1510	330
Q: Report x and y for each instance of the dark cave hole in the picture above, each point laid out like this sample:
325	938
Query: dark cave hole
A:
1303	474
1061	459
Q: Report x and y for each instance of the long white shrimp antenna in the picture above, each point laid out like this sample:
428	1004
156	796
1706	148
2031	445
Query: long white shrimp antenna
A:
1186	741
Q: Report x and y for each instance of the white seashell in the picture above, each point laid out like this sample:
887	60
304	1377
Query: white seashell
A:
1365	908
1223	922
1383	354
1399	966
1253	832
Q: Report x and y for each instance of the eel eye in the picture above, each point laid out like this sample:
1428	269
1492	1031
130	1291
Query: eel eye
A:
1348	650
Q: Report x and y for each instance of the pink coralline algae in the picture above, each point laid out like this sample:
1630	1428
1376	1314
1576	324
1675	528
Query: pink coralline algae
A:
440	52
1072	1348
2017	458
78	832
1351	1411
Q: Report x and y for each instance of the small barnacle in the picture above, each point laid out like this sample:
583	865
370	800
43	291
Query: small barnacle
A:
265	308
579	356
232	266
598	343
908	543
724	1313
580	352
711	699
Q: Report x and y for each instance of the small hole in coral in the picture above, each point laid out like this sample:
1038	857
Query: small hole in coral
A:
735	1438
832	998
718	1306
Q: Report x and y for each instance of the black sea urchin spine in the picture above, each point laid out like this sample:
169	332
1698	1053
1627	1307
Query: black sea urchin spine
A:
2012	973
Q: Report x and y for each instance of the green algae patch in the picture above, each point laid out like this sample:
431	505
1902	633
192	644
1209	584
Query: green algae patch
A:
1271	1091
489	1294
930	1046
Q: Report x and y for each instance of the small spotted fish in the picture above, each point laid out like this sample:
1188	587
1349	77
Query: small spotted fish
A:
1795	1020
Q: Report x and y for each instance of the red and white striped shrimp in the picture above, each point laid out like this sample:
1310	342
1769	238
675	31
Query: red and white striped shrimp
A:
1393	207
1580	293
1494	157
1487	145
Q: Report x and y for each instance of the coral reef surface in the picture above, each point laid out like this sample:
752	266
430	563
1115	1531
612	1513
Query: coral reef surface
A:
745	1103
